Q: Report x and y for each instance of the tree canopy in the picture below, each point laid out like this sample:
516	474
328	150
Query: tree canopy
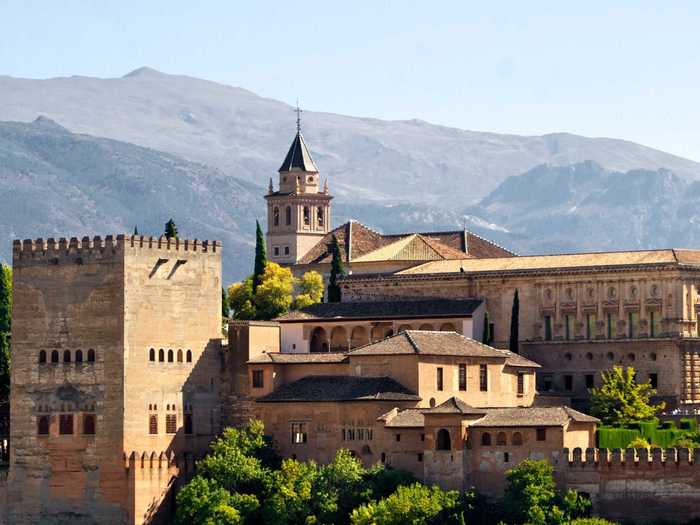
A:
170	229
310	290
337	271
621	400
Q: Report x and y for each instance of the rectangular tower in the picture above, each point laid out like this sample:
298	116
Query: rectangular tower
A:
115	346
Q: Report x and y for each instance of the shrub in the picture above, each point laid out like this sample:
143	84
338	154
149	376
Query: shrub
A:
639	442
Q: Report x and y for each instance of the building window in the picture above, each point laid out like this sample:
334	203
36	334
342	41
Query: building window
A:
188	424
319	217
443	440
501	439
547	327
590	326
398	437
78	356
91	356
547	383
54	356
288	215
541	434
463	377
65	424
420	457
153	424
486	439
612	326
383	457
189	356
286	250
483	378
152	354
517	439
299	436
568	382
179	355
654	380
590	382
43	425
258	379
439	379
521	383
632	324
170	423
276	216
276	251
88	424
42	357
66	356
161	355
653	324
170	355
307	216
567	327
506	457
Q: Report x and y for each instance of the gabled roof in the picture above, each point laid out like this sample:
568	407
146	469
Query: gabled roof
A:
359	243
455	405
385	310
300	358
298	157
532	416
428	342
341	388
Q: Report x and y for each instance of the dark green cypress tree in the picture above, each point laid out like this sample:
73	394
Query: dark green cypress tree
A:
260	256
171	229
136	230
514	324
225	310
5	325
486	334
337	271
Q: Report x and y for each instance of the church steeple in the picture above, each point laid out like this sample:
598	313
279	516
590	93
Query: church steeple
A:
298	157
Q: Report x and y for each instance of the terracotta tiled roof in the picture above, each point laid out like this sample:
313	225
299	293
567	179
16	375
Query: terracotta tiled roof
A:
557	262
454	405
360	243
385	310
439	343
300	358
532	416
341	388
409	418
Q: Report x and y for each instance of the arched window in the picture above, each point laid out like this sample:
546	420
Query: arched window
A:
276	216
152	354
170	355
501	439
339	339
319	340
383	457
448	327
42	356
517	439
486	439
66	356
89	424
404	327
179	355
426	326
307	215
288	215
161	355
319	216
54	356
358	337
78	356
443	440
43	425
189	356
91	356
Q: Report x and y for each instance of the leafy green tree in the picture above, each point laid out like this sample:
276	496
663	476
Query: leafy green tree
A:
273	296
337	271
170	229
382	481
310	290
339	488
486	335
621	400
204	502
241	300
515	324
225	309
574	505
416	504
260	257
531	492
289	497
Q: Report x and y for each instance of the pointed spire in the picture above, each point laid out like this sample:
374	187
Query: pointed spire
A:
298	157
325	185
270	189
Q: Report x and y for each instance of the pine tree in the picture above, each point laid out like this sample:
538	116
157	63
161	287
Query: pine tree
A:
170	229
337	271
514	324
260	257
486	334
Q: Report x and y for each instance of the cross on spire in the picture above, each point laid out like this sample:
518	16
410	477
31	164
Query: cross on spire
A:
298	112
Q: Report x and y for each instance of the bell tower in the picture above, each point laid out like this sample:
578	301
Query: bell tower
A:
299	213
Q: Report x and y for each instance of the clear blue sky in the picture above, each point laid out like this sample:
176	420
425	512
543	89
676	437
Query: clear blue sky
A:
620	69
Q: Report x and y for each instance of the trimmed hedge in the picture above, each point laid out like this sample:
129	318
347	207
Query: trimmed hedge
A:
663	435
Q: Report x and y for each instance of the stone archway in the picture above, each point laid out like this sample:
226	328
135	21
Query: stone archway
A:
319	340
403	328
443	441
426	326
339	339
448	327
358	337
377	333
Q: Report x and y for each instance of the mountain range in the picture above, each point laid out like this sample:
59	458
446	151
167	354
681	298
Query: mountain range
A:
84	155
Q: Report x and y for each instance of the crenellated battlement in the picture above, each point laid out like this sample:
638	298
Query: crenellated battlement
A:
607	459
97	247
151	460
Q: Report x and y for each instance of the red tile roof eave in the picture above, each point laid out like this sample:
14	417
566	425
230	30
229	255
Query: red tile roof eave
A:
373	318
411	399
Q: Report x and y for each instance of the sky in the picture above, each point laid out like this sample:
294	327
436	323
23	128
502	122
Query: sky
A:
620	69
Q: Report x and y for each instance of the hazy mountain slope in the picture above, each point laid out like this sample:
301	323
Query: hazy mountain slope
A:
585	207
54	183
365	159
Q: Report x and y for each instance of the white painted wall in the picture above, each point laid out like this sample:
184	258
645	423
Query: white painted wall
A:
292	338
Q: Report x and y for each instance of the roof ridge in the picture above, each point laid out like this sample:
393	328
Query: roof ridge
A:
410	340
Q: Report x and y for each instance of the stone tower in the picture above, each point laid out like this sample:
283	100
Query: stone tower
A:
299	214
116	347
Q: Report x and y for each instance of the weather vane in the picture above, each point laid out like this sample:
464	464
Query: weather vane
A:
298	110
